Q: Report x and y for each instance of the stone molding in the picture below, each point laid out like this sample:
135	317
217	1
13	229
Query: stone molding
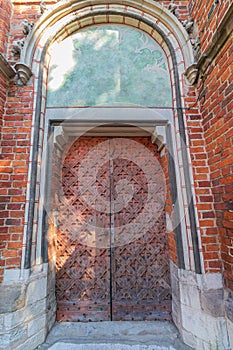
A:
24	73
191	73
6	68
53	21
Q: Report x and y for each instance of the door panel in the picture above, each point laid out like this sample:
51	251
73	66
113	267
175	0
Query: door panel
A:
106	268
141	285
83	269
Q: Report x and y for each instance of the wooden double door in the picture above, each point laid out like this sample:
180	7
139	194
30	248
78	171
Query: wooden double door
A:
111	257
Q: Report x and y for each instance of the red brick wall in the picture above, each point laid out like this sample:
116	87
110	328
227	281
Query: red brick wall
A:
4	176
217	111
15	152
16	121
208	16
5	14
202	183
181	10
15	143
216	107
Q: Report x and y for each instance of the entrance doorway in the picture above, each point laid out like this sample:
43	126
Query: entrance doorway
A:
112	257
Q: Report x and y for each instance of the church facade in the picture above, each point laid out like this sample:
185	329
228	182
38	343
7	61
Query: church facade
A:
116	164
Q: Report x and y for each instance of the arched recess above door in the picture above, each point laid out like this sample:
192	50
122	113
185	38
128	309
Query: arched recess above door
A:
67	17
108	65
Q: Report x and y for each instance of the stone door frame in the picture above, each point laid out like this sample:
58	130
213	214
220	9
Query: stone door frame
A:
158	123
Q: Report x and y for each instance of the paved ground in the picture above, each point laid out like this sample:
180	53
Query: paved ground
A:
113	336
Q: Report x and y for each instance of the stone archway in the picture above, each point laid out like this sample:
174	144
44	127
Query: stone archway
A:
61	22
64	19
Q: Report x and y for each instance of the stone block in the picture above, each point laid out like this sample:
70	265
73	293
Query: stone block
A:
229	306
189	339
187	277
205	327
190	296
36	308
51	315
36	325
212	302
37	290
23	315
174	282
18	334
176	316
210	281
230	333
12	297
11	276
1	323
33	342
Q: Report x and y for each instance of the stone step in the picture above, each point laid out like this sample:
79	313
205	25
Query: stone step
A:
128	335
67	346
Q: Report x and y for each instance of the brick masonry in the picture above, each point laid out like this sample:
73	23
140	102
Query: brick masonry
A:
215	91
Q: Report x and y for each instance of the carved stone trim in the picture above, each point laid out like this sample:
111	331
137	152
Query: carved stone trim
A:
61	13
24	73
191	73
5	68
158	137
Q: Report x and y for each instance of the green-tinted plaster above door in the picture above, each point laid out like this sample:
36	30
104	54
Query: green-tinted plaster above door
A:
109	65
